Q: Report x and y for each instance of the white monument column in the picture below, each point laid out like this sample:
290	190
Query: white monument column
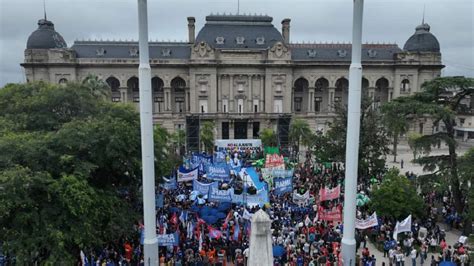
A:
261	249
150	242
353	130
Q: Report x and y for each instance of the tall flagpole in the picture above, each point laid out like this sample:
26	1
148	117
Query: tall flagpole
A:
352	139
150	242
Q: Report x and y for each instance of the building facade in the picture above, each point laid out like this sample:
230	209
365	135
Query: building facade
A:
238	71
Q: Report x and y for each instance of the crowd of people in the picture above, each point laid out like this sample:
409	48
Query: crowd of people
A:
299	235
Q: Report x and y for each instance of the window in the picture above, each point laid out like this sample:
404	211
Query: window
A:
179	104
337	99
136	99
62	81
405	86
225	104
421	129
158	104
203	106
317	104
225	130
255	106
256	130
298	104
462	120
115	99
240	106
278	106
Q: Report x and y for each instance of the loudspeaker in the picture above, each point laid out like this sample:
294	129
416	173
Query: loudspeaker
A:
192	133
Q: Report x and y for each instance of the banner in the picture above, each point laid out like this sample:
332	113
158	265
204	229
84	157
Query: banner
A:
329	194
251	200
242	145
404	226
371	221
301	200
201	158
217	195
170	184
159	201
219	171
335	214
203	188
283	185
274	160
187	175
168	239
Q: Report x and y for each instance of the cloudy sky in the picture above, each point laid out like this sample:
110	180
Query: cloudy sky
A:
389	21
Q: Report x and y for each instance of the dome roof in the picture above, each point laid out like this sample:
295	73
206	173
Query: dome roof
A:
45	37
422	41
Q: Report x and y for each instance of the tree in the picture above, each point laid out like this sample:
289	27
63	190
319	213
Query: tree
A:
98	87
300	133
412	139
268	137
206	136
70	171
395	124
466	174
440	100
178	139
396	197
373	145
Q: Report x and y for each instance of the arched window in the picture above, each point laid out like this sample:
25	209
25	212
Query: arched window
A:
342	84
113	83
321	84
365	83
132	84
62	81
157	84
301	84
405	85
382	83
381	91
178	84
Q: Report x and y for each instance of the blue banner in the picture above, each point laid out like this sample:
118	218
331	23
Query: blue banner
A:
283	185
251	200
219	171
219	157
159	201
201	158
217	195
203	188
169	185
187	175
168	239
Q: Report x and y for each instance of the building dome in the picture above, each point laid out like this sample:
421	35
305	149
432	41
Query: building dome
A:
422	41
45	37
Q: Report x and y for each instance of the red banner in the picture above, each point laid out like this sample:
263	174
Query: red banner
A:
274	160
329	194
334	215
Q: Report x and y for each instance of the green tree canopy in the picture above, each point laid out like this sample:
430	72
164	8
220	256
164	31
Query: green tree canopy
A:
268	137
373	140
395	123
440	100
396	197
300	133
206	136
70	170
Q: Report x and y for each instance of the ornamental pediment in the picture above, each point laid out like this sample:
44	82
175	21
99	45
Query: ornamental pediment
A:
279	52
202	50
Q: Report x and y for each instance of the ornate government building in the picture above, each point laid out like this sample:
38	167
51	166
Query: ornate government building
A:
238	71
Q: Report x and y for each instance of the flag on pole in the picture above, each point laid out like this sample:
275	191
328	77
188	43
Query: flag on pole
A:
227	219
200	240
404	226
214	233
236	232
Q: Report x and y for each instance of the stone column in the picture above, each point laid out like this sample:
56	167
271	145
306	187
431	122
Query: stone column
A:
261	250
123	94
250	129
390	94
231	92
331	95
250	94
311	100
167	94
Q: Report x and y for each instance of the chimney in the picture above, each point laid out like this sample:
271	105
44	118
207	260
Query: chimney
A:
192	37
285	30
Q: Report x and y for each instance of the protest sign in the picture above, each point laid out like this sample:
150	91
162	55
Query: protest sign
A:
283	185
371	221
329	194
227	145
168	239
203	188
218	195
301	200
334	214
219	171
187	175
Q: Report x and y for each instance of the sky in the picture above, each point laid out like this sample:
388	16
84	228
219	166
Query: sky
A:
385	21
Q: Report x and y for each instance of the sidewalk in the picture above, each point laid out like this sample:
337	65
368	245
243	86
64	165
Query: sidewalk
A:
451	238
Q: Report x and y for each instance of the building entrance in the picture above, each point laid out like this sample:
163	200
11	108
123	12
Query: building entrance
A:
240	129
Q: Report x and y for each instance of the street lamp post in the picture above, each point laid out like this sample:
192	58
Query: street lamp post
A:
150	242
352	139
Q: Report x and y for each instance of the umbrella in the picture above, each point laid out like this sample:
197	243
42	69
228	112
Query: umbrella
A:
278	251
220	215
224	206
210	219
447	263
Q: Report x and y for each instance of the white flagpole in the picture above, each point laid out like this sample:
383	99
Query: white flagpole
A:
150	242
352	139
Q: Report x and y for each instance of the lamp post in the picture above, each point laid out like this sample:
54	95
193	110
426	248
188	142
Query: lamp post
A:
150	242
352	140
